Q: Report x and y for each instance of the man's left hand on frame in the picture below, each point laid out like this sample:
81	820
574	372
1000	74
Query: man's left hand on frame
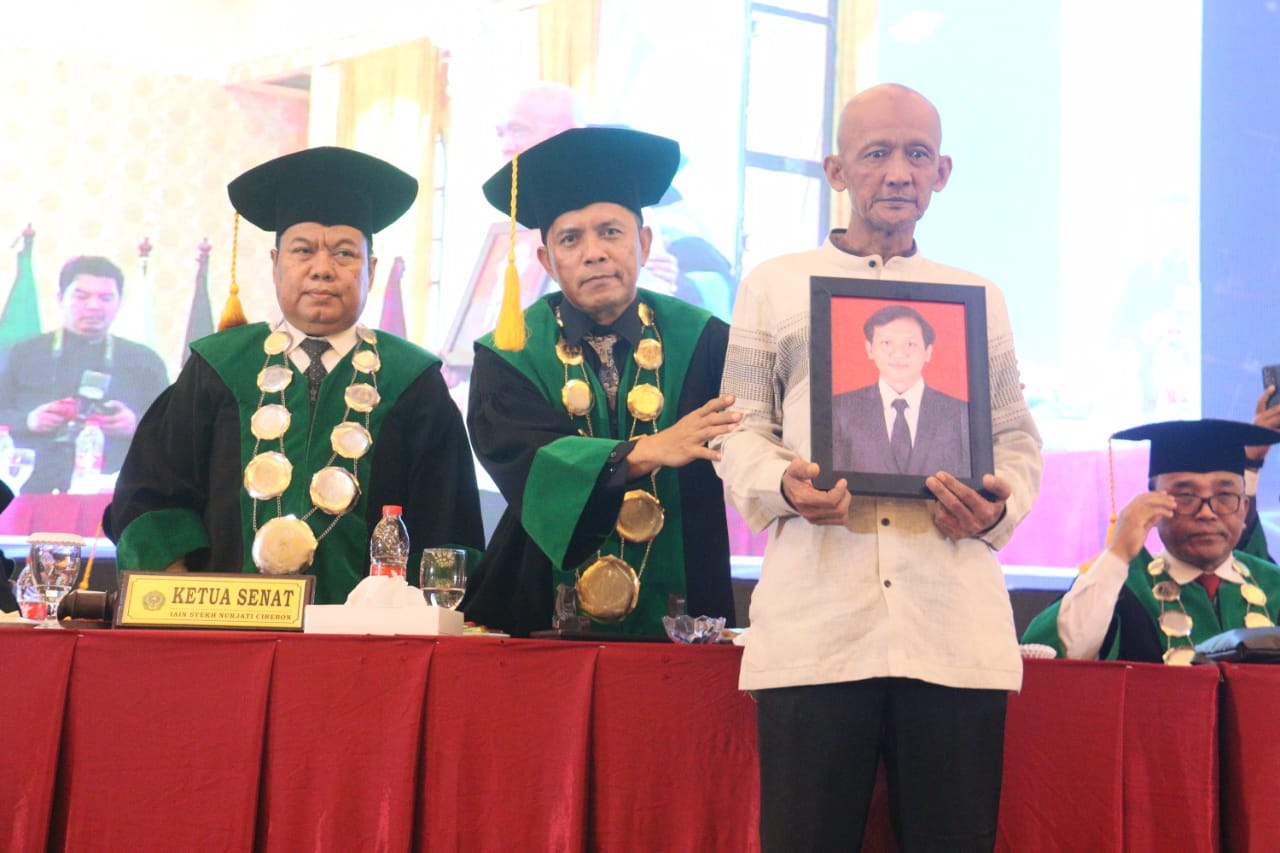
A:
960	511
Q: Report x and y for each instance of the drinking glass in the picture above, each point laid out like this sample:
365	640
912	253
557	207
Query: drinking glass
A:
55	562
443	574
17	468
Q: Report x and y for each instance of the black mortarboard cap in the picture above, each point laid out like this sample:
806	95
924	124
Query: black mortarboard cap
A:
1198	446
584	166
331	186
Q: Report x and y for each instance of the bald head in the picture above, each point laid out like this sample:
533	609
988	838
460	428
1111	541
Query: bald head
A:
538	113
888	101
889	163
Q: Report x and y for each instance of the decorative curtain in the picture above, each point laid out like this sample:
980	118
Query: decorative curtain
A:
568	41
393	103
856	51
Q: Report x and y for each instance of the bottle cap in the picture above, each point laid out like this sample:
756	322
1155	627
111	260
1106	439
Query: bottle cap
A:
55	539
390	509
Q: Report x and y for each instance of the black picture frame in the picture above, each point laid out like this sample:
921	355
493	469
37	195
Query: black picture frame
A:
839	448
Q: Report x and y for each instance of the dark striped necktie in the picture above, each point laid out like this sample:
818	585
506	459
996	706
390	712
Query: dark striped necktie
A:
314	348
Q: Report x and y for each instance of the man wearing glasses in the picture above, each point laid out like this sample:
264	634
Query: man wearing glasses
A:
1131	605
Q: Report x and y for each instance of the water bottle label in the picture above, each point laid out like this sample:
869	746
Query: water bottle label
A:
89	462
386	570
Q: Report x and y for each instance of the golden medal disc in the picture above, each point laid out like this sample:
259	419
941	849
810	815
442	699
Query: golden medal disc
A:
366	361
270	422
641	517
283	546
267	475
334	490
274	378
570	356
1179	655
646	314
648	354
1175	624
576	396
1156	566
1166	591
1253	594
277	342
608	590
644	402
1257	620
350	440
361	397
369	336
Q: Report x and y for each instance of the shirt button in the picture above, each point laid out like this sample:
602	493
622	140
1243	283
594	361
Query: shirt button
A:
871	263
888	584
884	522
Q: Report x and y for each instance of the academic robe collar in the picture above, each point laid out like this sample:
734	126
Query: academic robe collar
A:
1183	573
342	342
577	324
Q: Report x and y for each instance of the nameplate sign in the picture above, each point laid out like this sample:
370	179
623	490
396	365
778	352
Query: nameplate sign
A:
198	600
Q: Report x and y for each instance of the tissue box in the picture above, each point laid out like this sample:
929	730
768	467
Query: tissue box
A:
346	619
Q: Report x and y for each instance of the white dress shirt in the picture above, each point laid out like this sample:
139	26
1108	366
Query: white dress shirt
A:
912	412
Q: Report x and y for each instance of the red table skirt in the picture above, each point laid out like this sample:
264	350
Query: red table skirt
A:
233	741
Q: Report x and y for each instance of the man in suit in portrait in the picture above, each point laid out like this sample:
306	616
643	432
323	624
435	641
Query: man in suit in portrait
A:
900	425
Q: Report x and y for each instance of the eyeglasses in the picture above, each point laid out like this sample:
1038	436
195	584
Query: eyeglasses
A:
1223	503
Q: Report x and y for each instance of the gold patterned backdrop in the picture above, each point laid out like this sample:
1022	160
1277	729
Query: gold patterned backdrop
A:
96	157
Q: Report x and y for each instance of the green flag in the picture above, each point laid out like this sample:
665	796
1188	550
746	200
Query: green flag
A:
21	317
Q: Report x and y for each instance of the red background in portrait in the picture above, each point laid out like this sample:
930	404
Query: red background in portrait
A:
947	370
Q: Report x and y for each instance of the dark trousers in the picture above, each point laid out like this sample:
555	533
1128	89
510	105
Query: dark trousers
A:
943	749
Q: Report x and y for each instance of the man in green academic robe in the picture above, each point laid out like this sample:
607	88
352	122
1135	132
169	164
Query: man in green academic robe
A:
1129	605
602	405
314	417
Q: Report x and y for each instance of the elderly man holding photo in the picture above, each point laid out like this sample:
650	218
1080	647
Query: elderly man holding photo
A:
880	627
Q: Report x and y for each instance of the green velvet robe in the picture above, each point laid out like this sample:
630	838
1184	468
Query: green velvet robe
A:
180	491
562	496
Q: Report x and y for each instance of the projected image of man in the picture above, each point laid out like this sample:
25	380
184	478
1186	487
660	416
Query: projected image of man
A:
52	382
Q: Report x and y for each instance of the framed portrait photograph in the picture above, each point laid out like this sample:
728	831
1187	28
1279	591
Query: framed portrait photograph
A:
899	384
478	313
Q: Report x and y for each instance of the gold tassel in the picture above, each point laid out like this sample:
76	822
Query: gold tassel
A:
232	311
510	333
1111	517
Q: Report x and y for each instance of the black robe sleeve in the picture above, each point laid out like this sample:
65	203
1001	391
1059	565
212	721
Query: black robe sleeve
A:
186	456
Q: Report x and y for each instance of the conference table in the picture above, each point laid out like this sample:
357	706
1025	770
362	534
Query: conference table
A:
181	740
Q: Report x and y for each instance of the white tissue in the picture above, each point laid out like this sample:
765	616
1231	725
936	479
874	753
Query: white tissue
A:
382	591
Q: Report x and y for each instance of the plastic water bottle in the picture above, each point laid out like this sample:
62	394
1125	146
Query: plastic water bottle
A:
90	445
389	545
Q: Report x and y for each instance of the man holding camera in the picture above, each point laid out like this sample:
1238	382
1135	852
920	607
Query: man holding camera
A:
51	383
